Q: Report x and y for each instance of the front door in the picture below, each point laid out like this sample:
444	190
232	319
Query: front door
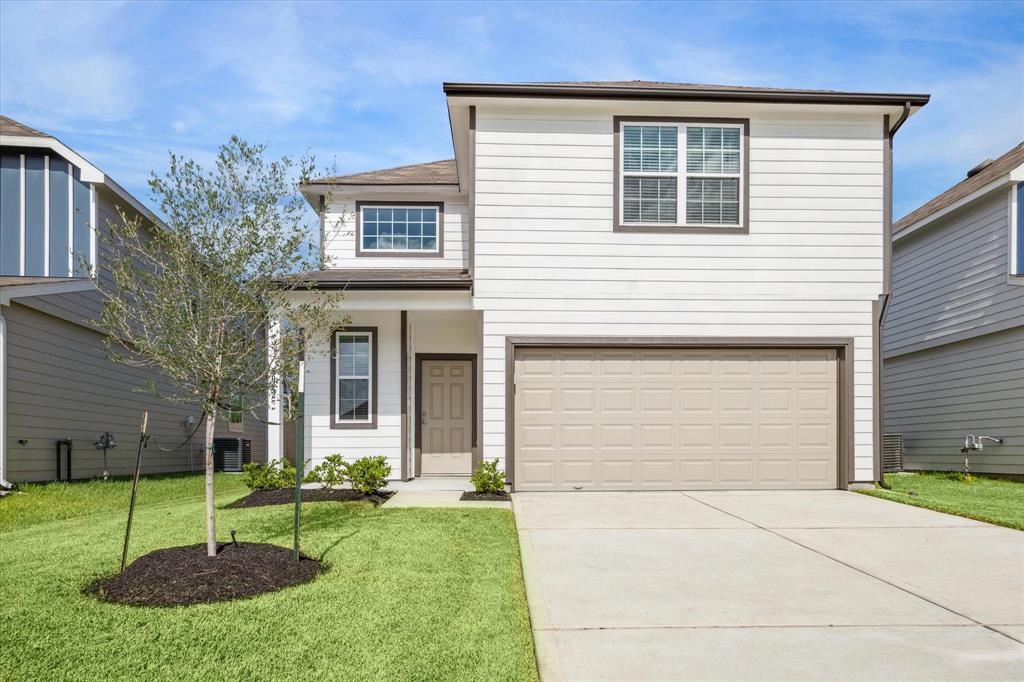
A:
446	417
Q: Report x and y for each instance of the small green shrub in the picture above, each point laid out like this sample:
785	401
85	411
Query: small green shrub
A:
487	478
330	472
273	475
368	474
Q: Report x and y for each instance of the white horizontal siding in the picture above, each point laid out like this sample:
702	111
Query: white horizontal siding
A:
386	439
340	240
549	263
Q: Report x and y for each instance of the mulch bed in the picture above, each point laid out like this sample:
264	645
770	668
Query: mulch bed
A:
179	576
473	496
263	498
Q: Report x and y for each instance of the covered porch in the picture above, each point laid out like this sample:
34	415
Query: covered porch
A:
402	379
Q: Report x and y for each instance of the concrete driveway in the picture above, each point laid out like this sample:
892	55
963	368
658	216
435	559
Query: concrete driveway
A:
823	585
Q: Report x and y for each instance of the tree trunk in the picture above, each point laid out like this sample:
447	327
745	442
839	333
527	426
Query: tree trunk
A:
211	519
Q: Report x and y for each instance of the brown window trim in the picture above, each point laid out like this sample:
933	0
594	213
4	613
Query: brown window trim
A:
374	342
742	228
439	205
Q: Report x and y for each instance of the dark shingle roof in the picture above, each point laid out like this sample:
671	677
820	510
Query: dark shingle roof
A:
1001	166
677	91
388	278
8	126
432	173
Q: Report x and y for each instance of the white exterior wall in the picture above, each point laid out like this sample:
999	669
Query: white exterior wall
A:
340	236
320	439
549	263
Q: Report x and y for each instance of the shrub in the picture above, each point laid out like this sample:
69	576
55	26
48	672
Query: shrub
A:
487	478
330	472
367	474
270	476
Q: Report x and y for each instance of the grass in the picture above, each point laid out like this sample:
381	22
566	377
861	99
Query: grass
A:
409	594
985	499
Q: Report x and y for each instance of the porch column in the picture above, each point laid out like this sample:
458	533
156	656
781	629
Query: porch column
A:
275	413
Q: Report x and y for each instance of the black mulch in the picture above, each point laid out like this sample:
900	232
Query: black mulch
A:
263	498
179	576
473	496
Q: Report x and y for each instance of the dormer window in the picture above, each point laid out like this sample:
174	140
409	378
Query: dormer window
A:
681	175
399	229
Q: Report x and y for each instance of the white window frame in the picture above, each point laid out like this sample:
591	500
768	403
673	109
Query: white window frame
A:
1016	274
339	377
438	226
681	174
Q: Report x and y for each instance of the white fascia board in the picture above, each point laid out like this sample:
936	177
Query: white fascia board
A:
89	172
996	184
44	289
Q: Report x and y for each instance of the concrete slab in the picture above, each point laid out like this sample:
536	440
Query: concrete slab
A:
824	509
932	654
975	571
1012	631
723	577
432	483
439	498
617	510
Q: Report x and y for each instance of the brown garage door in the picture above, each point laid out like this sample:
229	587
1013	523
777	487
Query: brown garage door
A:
675	419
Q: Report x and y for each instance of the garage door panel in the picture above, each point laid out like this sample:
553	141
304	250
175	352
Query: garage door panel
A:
634	419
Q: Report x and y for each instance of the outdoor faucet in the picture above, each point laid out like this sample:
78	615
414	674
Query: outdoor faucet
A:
972	442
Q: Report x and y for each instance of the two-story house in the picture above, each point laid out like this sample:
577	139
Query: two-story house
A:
954	334
616	286
59	390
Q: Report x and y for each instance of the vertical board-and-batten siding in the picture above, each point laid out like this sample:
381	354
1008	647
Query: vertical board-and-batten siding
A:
46	216
340	238
549	263
954	342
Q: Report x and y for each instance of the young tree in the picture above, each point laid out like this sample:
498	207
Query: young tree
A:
193	301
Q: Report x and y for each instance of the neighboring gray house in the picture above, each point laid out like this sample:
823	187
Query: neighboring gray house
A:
56	381
953	339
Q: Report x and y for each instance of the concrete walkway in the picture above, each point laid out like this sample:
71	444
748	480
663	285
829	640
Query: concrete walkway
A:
436	491
823	585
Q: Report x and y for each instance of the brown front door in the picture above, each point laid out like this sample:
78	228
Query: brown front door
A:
446	417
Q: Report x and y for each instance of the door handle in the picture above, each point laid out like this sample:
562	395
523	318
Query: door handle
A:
423	417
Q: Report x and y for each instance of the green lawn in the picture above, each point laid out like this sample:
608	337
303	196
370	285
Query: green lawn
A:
409	594
985	499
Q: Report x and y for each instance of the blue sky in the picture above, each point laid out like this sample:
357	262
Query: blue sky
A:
359	85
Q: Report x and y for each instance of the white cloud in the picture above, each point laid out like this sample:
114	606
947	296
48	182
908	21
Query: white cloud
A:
57	64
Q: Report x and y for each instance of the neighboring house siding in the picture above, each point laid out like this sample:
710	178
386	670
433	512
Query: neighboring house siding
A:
950	280
61	384
549	263
954	342
340	239
935	397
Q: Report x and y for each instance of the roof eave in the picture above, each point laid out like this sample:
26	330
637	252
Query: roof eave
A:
1005	180
680	94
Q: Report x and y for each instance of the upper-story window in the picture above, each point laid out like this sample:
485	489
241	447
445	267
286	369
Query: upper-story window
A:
1017	230
681	174
399	229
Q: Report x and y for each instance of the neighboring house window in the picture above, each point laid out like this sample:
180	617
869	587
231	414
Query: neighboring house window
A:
235	424
353	364
682	174
1017	239
400	229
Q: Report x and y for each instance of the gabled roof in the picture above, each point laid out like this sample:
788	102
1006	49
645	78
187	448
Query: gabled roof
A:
17	134
432	173
998	168
639	89
8	126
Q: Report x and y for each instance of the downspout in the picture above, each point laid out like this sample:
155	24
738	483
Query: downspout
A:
4	483
884	299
